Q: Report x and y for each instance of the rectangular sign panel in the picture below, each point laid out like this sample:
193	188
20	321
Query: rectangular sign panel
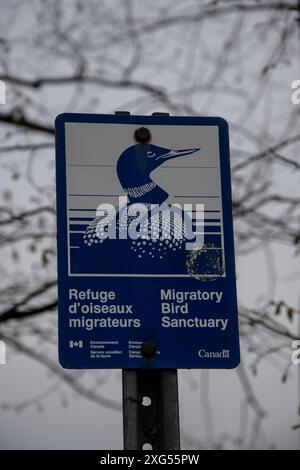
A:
145	242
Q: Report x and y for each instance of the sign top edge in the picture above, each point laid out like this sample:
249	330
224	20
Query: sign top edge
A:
140	119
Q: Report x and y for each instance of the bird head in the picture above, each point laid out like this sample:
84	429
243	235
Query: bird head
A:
137	162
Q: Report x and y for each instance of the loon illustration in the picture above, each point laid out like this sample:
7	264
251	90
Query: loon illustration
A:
162	252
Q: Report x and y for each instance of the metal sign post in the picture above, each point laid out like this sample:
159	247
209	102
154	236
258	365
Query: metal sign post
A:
150	409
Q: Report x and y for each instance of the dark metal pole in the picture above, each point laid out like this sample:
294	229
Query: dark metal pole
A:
150	409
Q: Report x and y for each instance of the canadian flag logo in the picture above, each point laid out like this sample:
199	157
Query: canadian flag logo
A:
76	344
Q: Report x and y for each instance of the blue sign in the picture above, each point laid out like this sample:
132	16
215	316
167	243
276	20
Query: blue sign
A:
146	272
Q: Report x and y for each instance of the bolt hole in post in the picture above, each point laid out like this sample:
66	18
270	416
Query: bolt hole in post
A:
146	401
147	446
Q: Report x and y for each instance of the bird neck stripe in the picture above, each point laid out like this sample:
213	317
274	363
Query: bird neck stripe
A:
138	191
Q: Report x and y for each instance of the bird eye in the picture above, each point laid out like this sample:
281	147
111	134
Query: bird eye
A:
151	154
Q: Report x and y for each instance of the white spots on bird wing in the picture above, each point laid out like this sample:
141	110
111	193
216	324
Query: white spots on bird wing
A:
166	238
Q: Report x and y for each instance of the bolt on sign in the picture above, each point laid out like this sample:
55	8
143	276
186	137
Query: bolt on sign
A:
145	242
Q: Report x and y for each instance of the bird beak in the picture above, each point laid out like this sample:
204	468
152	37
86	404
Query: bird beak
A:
177	153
